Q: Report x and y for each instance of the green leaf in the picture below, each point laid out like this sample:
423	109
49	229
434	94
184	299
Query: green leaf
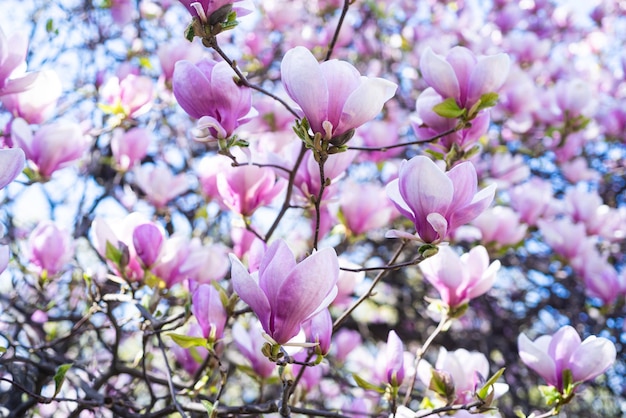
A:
186	341
190	33
211	408
488	100
550	394
59	377
484	391
367	385
112	253
49	25
448	109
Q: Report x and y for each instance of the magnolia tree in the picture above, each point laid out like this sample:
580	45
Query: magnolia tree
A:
333	208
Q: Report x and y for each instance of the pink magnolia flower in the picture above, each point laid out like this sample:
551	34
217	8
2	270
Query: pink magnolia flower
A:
205	10
249	342
428	124
172	266
122	11
245	188
211	315
319	329
500	225
129	147
38	103
283	294
437	202
459	279
172	52
550	355
532	200
207	92
395	359
50	247
467	369
11	165
364	207
160	184
147	240
333	96
13	51
563	236
52	147
463	76
130	96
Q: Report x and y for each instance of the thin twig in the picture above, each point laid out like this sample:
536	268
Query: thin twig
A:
333	42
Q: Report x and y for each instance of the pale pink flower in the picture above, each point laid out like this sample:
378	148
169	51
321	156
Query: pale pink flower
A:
550	355
249	342
365	207
437	202
177	50
463	76
52	147
129	147
333	96
159	183
50	247
395	359
13	52
563	235
533	200
500	225
460	279
38	103
130	96
245	188
11	165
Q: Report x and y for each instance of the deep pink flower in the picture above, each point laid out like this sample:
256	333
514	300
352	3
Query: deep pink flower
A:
333	96
283	294
550	355
319	329
147	240
463	76
207	91
436	201
52	147
211	315
459	279
204	9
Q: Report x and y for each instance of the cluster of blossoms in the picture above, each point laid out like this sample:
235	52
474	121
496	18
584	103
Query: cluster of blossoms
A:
253	258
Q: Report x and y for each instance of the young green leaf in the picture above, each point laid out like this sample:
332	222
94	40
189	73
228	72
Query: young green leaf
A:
59	377
448	109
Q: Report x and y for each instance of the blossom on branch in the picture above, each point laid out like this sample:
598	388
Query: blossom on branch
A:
551	356
333	96
437	202
208	92
283	294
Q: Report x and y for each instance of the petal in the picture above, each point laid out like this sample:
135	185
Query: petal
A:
192	88
11	165
463	62
465	181
365	103
278	261
393	193
439	74
305	84
249	291
303	292
564	342
592	358
535	355
488	76
481	201
341	79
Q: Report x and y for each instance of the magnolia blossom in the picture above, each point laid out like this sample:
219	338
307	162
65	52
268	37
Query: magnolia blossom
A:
364	207
245	188
459	279
395	359
38	103
12	57
550	355
463	76
130	96
212	11
437	202
249	342
333	96
129	147
50	247
209	311
52	147
207	91
160	184
147	240
319	329
283	294
500	225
